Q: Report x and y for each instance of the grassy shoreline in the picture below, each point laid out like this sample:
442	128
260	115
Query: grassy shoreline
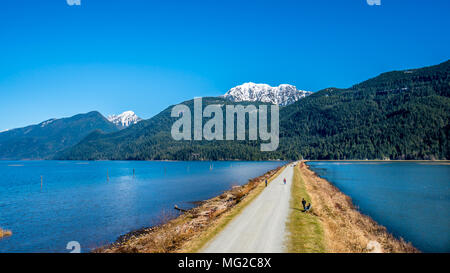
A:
190	231
305	231
334	223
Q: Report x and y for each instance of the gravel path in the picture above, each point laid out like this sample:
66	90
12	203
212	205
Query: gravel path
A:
261	226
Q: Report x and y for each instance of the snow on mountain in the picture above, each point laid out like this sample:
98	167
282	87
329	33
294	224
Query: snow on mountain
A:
283	94
47	122
125	119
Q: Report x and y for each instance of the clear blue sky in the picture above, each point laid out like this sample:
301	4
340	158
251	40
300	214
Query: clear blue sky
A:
58	60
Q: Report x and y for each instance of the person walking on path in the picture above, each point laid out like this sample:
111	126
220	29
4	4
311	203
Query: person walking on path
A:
303	203
284	180
266	182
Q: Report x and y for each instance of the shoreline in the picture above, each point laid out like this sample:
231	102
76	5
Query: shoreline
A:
233	160
192	229
346	229
376	160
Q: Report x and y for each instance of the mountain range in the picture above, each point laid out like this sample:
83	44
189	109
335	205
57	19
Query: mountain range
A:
284	94
43	140
396	115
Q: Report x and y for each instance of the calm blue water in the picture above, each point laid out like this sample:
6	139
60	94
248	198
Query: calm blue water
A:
77	203
411	199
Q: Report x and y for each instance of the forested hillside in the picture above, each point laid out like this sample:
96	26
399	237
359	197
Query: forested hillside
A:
43	140
397	115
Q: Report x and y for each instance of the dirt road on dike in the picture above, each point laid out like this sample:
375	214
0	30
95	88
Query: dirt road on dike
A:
261	226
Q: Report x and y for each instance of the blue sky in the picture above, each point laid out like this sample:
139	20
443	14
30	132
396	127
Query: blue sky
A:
58	60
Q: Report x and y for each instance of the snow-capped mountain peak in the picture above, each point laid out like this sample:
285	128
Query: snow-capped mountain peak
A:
125	119
283	94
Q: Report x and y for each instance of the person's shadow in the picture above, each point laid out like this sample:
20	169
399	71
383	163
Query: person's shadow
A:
304	210
298	209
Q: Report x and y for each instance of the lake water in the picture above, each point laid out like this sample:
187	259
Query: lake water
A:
78	202
411	199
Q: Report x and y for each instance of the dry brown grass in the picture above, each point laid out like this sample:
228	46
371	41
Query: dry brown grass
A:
5	233
345	228
254	188
189	231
